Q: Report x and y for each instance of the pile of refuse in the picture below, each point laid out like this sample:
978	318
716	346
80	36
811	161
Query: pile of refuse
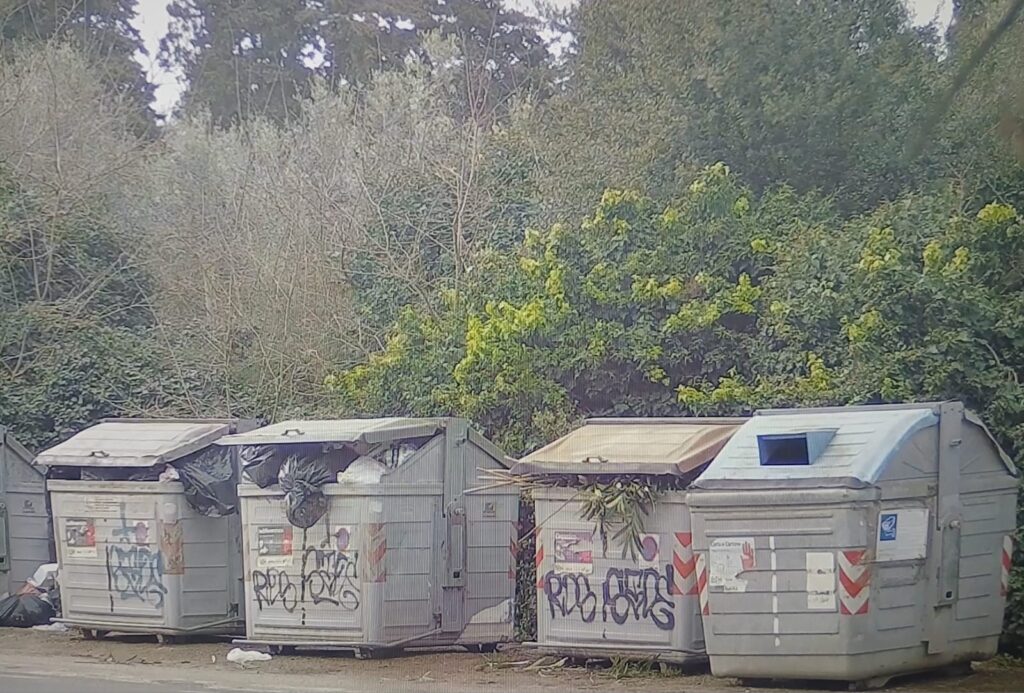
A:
35	602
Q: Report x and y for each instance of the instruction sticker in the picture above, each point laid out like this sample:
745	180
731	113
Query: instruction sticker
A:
821	580
80	538
273	547
902	534
730	559
649	555
574	552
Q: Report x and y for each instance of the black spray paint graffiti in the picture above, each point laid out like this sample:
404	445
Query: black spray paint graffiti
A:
330	576
626	593
273	586
568	594
133	570
327	576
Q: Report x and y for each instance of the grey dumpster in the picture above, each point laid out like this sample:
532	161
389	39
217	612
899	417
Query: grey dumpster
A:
593	600
134	555
363	534
854	544
24	523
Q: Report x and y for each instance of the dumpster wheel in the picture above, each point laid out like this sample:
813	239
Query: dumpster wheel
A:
483	648
164	639
92	633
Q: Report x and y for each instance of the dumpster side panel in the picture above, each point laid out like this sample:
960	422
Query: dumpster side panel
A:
593	600
490	565
23	491
406	563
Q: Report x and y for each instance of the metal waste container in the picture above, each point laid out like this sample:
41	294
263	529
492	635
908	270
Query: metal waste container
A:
594	598
25	536
363	534
854	544
135	554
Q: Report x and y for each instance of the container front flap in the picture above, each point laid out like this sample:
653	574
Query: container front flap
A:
128	443
805	444
632	446
369	431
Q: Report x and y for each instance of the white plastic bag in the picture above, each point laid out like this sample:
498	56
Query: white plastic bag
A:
363	470
243	657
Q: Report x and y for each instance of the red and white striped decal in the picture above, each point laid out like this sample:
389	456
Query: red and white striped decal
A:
1006	562
377	547
854	582
539	560
702	584
684	564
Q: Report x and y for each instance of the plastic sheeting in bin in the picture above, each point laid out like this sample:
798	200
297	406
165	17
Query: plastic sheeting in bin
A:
302	481
210	482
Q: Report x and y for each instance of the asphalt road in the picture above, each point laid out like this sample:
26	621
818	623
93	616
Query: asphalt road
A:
35	683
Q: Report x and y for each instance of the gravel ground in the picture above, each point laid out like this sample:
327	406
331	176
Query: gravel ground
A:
508	669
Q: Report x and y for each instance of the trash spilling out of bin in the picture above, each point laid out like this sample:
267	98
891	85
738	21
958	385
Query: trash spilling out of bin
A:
854	544
145	516
616	573
26	539
363	534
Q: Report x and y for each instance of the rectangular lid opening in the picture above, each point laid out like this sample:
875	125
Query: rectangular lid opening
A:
792	449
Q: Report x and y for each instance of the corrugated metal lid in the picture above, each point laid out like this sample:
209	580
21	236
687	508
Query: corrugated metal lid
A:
632	446
865	440
133	443
370	431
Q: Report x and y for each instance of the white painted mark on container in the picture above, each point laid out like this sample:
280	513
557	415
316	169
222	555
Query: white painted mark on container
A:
778	641
775	625
775	582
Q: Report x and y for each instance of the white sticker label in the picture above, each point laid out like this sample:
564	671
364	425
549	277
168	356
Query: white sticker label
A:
102	506
574	552
821	580
730	559
80	538
902	534
273	547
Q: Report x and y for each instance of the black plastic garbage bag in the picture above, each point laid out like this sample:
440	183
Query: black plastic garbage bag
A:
210	482
25	611
260	465
301	480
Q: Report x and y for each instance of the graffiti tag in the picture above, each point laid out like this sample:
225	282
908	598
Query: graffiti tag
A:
272	587
640	594
330	576
135	572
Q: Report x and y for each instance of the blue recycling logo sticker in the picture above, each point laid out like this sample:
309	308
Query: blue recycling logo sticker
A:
887	527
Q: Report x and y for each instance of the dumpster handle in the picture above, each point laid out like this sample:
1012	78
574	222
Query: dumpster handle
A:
292	431
99	453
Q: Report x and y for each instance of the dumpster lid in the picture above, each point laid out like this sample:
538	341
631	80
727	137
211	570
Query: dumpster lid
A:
369	431
133	443
675	446
837	444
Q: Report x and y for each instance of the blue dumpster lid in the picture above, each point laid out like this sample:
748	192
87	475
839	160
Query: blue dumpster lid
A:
854	443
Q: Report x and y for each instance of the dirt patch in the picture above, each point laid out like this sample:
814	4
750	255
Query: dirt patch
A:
513	667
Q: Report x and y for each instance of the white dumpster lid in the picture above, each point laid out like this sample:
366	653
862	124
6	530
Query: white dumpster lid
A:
370	431
633	446
133	443
860	442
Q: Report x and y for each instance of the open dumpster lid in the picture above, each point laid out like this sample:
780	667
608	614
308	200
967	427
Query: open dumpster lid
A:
133	443
675	446
369	431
